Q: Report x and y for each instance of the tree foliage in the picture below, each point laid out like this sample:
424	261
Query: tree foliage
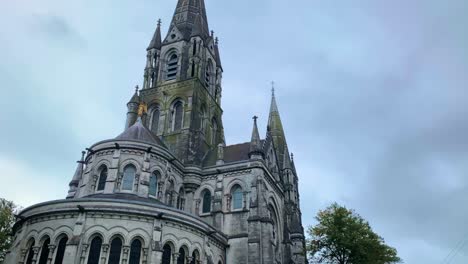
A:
7	219
344	237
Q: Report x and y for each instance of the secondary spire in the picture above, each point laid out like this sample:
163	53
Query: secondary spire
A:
156	41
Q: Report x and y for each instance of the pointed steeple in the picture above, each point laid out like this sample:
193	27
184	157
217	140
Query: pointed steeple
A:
156	41
74	184
256	148
276	129
190	16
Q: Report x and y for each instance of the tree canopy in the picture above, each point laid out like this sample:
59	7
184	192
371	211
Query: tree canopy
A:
344	237
7	219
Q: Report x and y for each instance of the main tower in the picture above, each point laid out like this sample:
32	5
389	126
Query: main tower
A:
182	85
168	189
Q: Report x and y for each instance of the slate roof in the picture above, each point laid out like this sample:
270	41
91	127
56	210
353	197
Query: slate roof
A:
138	132
232	153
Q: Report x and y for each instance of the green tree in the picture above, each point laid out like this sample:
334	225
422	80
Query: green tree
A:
7	219
344	237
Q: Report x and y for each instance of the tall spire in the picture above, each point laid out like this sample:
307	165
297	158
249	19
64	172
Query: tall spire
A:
156	41
276	128
190	16
256	149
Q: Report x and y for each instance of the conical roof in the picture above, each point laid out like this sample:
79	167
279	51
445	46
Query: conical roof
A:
256	143
138	132
156	41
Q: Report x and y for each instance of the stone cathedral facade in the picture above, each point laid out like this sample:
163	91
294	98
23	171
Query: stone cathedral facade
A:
168	189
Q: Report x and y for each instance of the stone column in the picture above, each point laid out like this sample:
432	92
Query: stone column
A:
36	252
84	252
24	252
144	259
126	250
51	253
175	256
104	250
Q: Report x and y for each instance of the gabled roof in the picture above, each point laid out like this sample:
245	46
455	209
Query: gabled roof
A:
138	132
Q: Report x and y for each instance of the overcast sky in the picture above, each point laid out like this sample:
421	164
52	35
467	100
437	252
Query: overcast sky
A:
372	93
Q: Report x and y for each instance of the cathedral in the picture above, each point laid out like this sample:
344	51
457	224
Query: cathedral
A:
168	189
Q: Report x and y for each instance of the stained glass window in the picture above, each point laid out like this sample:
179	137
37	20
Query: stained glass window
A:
95	251
61	250
102	179
115	251
128	178
44	252
237	198
167	252
206	202
153	183
135	252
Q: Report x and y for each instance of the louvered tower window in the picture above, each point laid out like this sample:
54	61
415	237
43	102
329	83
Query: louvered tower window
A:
172	66
208	74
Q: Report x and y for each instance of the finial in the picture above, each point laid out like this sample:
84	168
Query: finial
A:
159	22
273	89
255	119
83	153
292	156
216	40
137	88
212	33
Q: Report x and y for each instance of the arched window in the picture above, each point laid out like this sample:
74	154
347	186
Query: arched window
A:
44	252
30	252
102	179
209	75
167	254
135	252
181	199
115	251
203	119
177	115
153	183
172	65
128	178
170	194
237	197
62	245
155	60
195	257
155	120
206	202
214	132
274	231
95	250
181	258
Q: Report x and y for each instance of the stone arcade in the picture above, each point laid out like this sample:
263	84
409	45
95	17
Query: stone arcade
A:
168	189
